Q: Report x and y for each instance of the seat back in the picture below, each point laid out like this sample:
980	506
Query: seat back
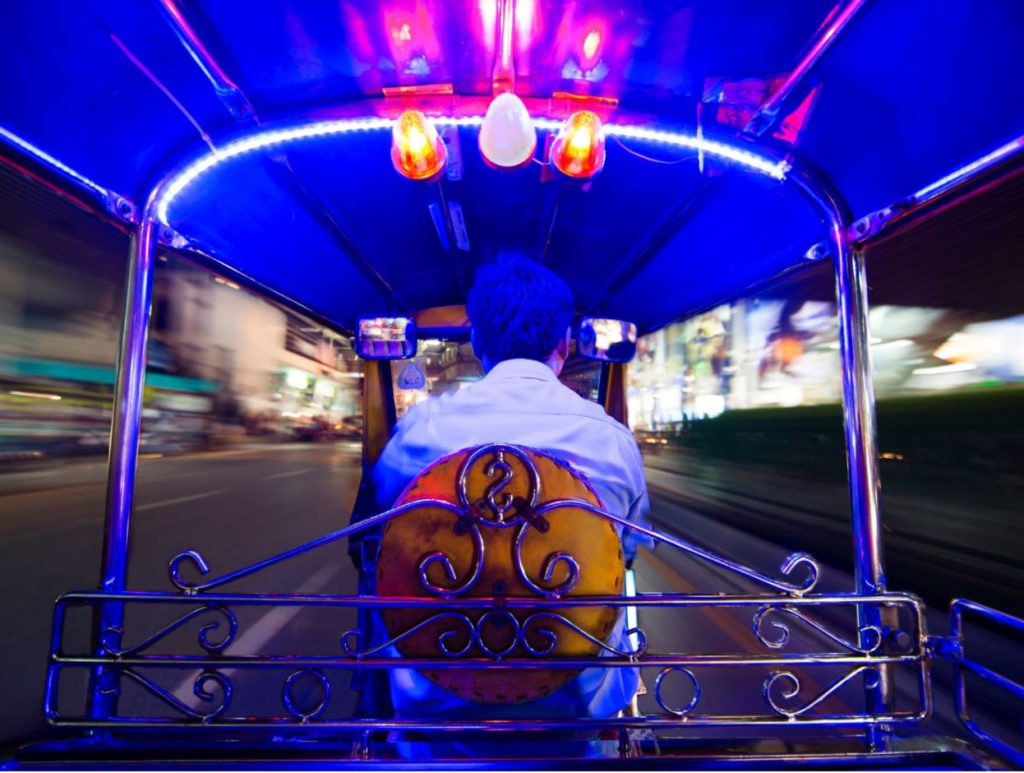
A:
505	547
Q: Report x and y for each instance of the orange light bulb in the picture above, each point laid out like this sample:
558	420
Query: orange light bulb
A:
416	149
578	150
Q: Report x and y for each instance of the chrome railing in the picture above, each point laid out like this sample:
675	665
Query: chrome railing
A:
816	685
954	649
802	658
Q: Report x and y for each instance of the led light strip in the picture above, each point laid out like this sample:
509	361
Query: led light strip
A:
49	160
770	167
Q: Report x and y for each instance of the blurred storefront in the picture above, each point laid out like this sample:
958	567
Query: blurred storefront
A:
282	375
770	352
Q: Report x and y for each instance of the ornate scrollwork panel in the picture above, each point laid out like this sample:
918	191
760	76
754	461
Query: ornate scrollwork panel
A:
790	687
205	632
199	689
291	702
659	683
869	641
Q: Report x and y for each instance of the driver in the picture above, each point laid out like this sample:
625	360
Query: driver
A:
521	314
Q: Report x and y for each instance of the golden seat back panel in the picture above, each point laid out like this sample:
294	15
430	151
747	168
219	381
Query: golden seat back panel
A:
502	549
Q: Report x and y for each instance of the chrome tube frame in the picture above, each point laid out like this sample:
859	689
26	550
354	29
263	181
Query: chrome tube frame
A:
790	695
954	649
112	202
858	400
765	117
227	91
124	450
859	422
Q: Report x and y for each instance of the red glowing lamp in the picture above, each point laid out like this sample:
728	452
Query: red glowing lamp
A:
416	149
578	150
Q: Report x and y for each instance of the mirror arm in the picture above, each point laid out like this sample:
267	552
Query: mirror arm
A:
612	390
379	415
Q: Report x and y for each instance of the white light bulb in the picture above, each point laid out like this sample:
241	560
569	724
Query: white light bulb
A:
507	135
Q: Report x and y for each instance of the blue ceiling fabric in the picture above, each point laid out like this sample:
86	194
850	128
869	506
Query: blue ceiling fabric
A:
912	90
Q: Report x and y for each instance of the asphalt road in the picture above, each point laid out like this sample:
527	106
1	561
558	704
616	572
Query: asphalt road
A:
240	506
235	507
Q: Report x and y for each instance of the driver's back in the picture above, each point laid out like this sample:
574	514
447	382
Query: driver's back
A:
520	402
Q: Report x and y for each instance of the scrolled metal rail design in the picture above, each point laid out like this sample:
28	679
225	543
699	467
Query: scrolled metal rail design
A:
552	637
204	633
476	635
200	564
870	634
198	689
789	566
694	682
780	677
468	513
547	570
359	654
489	501
291	705
438	557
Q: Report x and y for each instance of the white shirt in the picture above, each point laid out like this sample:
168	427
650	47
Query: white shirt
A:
522	402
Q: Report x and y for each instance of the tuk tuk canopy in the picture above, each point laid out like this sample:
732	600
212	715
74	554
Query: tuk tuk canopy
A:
120	96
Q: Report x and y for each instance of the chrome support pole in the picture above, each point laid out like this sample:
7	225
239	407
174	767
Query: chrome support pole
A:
124	448
503	73
860	429
228	92
859	418
765	117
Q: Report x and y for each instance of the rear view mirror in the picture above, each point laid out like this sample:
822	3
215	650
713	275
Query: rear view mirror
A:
607	340
385	338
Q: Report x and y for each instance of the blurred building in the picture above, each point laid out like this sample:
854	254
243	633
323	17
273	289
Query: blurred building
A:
272	366
761	352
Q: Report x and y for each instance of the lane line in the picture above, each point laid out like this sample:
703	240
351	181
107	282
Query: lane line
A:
179	500
263	630
740	635
289	474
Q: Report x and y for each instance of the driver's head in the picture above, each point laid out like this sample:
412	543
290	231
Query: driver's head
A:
519	309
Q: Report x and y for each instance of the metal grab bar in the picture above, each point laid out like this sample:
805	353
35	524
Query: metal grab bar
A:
953	649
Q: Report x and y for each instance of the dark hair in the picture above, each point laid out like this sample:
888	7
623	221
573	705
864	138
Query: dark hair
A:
518	309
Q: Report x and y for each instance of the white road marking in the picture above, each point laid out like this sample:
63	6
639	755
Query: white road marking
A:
289	474
263	630
179	500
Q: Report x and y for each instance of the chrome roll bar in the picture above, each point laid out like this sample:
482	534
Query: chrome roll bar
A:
857	390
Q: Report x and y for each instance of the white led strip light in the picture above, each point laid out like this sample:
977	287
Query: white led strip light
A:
767	166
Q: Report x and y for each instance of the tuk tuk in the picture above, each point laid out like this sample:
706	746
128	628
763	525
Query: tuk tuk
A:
357	161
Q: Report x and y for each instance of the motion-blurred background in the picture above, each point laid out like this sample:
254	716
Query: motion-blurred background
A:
252	414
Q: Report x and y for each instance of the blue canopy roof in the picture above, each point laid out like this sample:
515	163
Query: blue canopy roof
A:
910	91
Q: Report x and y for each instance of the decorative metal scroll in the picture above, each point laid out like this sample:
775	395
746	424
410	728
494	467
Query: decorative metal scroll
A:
497	508
869	637
777	698
220	614
215	709
529	633
794	687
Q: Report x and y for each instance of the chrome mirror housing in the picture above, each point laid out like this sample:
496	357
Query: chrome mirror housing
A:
606	340
385	338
